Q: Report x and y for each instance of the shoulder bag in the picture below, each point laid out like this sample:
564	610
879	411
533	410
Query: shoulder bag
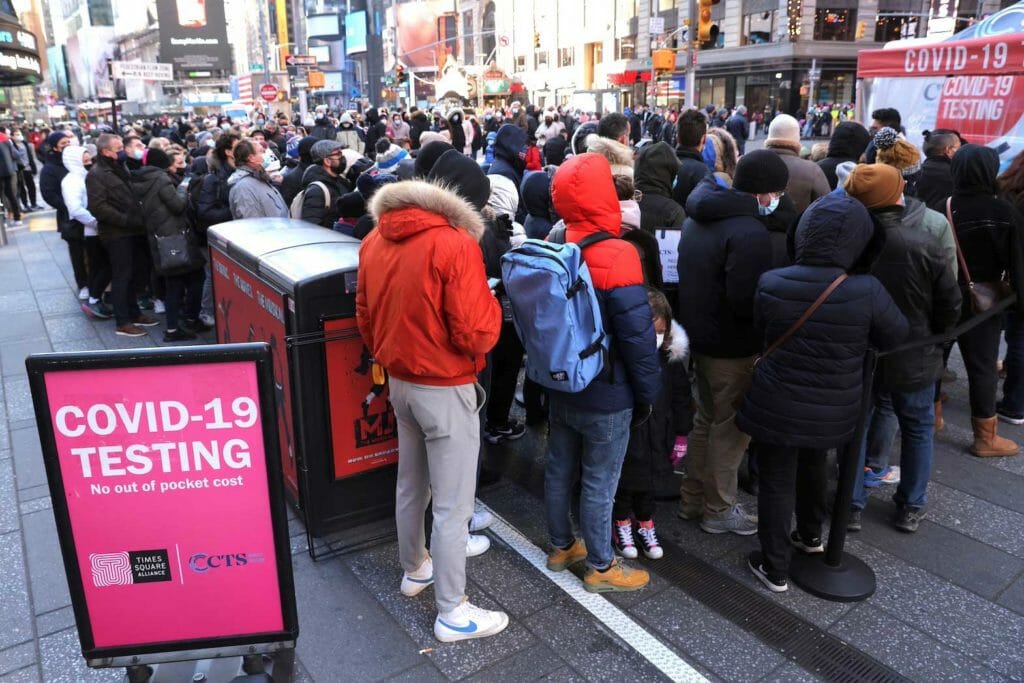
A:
804	318
984	295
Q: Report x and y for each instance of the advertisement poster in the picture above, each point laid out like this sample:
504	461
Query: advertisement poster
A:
248	310
165	478
193	34
364	434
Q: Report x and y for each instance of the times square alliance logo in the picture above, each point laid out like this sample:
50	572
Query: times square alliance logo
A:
130	567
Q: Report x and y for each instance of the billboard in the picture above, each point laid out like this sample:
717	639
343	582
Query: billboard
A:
355	32
193	34
87	53
413	33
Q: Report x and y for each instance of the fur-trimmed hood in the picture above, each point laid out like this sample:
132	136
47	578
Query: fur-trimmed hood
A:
679	348
398	209
617	154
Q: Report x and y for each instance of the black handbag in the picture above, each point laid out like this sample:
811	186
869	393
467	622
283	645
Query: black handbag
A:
983	295
173	252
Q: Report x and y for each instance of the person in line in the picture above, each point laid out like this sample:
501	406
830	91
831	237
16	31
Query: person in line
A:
807	181
739	128
121	226
26	172
936	182
327	172
426	314
1011	408
848	142
252	193
914	270
723	250
293	177
78	161
654	171
590	429
691	134
50	178
805	398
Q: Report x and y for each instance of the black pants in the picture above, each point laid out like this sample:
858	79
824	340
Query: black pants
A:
77	254
127	258
506	360
980	350
27	188
9	187
639	503
99	266
787	473
191	286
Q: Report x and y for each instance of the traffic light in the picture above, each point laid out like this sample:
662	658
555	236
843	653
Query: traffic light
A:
861	28
400	74
536	39
704	20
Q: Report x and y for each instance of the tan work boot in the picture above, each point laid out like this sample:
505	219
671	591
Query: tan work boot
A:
617	578
939	422
988	444
559	559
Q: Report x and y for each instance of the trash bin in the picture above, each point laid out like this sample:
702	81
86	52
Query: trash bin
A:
293	285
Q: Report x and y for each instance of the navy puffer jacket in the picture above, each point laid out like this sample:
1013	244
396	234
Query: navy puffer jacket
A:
807	393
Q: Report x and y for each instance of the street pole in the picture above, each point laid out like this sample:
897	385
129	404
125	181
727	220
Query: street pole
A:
691	54
813	82
264	44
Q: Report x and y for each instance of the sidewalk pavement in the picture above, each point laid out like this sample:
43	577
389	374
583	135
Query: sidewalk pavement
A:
949	605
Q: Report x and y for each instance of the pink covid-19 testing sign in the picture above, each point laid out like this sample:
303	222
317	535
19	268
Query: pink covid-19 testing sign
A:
164	474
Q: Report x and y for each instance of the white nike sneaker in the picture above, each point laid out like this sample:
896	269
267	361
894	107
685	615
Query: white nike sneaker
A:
481	519
468	621
476	544
413	584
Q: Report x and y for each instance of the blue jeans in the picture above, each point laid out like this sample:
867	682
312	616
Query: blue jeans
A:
594	445
915	412
1013	387
881	432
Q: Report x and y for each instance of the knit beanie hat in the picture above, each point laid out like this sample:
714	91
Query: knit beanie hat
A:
784	131
428	155
371	181
53	138
388	160
158	158
875	185
306	148
843	172
759	171
898	153
352	205
322	149
464	176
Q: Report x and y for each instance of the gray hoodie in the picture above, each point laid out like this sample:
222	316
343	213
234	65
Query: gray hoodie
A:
252	195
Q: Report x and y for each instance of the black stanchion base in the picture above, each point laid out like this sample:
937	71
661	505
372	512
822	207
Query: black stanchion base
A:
851	581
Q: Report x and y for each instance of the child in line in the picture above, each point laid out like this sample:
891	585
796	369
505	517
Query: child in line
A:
647	463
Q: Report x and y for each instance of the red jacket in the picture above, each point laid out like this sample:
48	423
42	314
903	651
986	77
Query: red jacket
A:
422	301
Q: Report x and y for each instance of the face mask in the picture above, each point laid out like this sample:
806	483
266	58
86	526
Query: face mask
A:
137	154
19	138
122	156
660	338
225	126
260	122
210	143
766	210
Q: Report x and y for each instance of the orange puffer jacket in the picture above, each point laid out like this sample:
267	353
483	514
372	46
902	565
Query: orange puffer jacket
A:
422	301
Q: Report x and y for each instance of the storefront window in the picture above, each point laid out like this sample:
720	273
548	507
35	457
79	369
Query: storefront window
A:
759	27
896	28
520	63
834	24
625	48
665	5
565	56
542	59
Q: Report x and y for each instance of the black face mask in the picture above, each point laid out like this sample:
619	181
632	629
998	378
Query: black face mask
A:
87	166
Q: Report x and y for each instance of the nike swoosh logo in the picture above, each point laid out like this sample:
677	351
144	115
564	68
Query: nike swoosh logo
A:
430	580
468	628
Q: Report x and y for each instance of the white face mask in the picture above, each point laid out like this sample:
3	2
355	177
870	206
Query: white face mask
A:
766	210
660	338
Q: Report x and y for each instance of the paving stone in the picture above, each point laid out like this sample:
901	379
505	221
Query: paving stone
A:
563	675
979	567
956	617
1013	596
57	620
45	566
45	276
70	328
33	492
13	354
529	664
17	657
379	571
588	646
59	302
63	661
28	458
14	279
15	617
976	477
17	301
18	399
706	637
906	649
335	608
790	673
109	339
520	589
424	672
36	505
977	518
8	498
29	674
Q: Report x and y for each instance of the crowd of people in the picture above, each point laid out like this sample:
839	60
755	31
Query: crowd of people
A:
787	272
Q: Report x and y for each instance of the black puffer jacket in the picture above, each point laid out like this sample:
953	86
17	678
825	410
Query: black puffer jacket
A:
316	208
692	170
292	183
723	250
915	271
935	184
164	208
52	173
214	197
655	170
112	200
418	124
536	198
807	393
988	228
646	466
849	140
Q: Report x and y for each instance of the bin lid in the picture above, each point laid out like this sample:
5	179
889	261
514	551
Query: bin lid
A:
249	239
304	263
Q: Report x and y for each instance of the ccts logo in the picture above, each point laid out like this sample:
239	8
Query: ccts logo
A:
200	563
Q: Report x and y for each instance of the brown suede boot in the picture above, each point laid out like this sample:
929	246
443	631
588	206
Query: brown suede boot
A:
939	422
988	444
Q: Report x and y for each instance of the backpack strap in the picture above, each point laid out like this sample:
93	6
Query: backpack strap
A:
594	238
327	193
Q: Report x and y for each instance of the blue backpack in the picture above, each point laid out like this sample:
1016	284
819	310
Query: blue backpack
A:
556	312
